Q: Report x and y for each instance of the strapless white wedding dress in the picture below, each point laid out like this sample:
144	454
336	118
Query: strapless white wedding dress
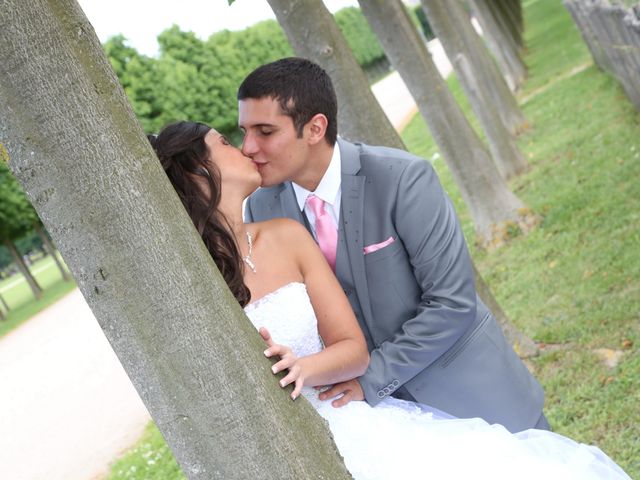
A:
399	439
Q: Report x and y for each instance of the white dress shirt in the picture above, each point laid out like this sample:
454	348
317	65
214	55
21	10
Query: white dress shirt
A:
328	190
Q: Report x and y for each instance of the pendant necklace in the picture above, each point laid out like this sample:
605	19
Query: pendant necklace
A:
247	258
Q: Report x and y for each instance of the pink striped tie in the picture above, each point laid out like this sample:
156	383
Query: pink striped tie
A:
326	232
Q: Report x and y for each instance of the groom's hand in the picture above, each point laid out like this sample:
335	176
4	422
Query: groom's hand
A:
350	390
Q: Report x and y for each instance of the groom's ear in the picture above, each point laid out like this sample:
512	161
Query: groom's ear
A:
316	128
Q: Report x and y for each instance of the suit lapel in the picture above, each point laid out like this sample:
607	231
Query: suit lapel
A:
289	204
353	221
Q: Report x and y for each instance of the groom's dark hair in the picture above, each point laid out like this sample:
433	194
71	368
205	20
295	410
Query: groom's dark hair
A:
301	87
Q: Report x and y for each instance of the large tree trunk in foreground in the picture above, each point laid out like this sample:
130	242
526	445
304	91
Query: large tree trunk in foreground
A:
184	341
22	266
51	250
314	34
500	42
473	67
485	192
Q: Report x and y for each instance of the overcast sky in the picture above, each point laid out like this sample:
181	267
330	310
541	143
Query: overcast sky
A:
140	21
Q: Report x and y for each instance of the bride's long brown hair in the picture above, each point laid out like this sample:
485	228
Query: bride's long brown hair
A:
184	156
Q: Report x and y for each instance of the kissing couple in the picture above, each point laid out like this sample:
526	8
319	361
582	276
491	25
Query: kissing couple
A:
350	261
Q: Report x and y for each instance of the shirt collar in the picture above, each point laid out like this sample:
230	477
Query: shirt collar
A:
329	186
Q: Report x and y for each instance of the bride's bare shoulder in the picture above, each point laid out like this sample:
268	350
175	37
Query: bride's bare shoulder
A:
282	229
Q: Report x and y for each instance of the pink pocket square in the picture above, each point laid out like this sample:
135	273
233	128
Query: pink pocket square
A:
378	246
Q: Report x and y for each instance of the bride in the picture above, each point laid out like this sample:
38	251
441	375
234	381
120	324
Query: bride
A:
278	274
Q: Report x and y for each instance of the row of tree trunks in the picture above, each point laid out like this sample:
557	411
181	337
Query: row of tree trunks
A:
51	250
501	43
484	191
407	52
612	34
22	266
480	79
195	359
314	34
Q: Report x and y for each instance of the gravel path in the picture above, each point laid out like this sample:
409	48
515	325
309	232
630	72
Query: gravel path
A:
67	408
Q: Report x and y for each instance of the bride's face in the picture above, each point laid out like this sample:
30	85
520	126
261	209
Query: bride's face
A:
236	170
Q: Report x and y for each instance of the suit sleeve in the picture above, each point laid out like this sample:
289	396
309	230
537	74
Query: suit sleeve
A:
426	224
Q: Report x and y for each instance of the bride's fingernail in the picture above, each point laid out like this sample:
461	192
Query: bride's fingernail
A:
274	369
293	397
282	383
266	353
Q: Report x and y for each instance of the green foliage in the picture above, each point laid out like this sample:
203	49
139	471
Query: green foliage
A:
150	459
17	216
359	36
19	297
418	13
198	79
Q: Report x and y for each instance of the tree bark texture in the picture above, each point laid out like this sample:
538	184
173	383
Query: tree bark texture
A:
509	13
500	42
314	34
22	266
483	189
184	341
459	38
612	34
51	250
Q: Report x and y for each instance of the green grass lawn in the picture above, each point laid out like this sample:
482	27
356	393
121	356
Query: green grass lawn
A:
574	282
16	292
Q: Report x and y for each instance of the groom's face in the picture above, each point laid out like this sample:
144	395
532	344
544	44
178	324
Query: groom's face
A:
271	140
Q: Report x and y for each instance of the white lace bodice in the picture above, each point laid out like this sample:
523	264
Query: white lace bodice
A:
288	315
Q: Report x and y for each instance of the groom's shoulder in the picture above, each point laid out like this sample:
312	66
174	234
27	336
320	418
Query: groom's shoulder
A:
263	194
390	162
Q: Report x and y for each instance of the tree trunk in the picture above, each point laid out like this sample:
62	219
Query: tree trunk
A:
500	42
4	309
184	341
22	266
491	203
51	250
510	14
459	38
313	34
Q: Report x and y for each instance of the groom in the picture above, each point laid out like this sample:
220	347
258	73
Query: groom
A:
389	231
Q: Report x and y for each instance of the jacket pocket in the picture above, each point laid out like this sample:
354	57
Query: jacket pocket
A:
462	344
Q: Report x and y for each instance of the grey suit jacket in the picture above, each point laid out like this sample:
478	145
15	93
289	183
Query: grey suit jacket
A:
431	338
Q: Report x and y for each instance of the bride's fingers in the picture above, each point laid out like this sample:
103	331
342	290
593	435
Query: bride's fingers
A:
287	361
292	376
298	388
266	336
275	349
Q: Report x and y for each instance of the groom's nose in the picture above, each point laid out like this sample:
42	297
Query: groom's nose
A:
249	145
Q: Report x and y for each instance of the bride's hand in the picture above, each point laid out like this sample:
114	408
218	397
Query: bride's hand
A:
288	360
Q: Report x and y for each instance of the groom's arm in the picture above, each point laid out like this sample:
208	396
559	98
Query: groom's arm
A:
427	225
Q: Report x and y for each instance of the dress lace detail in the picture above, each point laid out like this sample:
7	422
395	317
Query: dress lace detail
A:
399	439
